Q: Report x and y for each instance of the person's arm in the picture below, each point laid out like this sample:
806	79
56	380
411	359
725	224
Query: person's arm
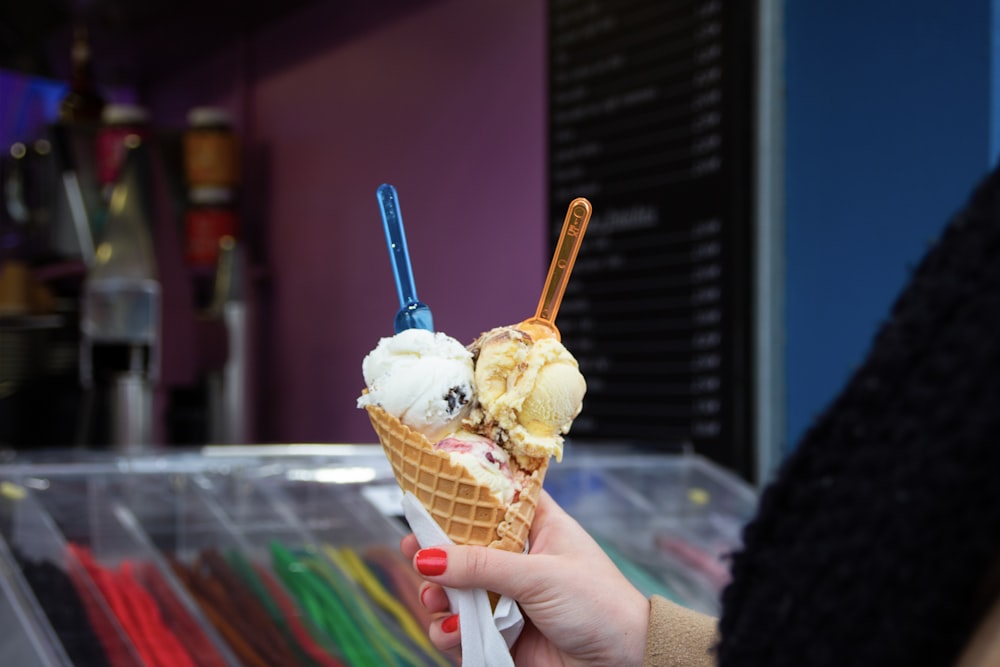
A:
678	636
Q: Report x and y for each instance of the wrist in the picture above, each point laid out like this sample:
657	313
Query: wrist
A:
635	631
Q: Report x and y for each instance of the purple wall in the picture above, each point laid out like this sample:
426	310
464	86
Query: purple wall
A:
447	102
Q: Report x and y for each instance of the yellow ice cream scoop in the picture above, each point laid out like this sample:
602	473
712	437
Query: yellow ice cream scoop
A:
550	409
529	391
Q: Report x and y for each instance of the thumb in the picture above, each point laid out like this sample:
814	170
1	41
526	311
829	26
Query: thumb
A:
503	572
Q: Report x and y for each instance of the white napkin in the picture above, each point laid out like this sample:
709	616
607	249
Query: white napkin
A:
486	635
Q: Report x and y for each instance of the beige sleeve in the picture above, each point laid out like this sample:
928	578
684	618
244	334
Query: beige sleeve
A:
678	636
984	648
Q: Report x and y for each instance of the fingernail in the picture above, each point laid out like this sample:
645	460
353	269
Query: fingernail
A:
431	562
423	592
450	624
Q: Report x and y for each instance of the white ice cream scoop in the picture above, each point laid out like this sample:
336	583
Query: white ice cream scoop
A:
424	379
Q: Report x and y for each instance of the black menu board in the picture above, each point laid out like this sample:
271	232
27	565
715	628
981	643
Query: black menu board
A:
651	118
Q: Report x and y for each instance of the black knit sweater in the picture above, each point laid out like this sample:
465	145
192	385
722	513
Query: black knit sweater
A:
878	540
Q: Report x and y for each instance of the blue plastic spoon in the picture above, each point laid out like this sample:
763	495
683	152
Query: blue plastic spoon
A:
412	313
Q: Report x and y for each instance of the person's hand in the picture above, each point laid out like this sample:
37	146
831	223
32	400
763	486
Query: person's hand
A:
579	608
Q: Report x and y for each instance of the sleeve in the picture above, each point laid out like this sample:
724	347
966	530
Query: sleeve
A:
678	636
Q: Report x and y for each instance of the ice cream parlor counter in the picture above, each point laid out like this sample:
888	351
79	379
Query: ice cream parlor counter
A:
289	554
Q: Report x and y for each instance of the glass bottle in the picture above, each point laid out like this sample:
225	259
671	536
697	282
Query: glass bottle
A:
83	102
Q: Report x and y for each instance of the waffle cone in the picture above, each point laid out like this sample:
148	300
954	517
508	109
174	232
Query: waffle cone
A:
465	509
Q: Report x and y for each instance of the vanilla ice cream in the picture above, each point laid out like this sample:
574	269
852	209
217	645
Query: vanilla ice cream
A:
528	393
423	378
486	460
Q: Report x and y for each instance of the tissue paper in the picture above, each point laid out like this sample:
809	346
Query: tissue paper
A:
487	634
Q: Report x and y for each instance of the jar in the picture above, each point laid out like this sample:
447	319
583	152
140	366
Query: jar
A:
210	217
211	149
122	126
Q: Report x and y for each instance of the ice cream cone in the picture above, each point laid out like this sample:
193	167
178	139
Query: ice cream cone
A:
464	508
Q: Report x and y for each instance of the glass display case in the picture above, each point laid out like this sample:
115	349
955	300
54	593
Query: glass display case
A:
252	555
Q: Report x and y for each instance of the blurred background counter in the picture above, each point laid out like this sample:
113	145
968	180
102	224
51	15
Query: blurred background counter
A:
257	553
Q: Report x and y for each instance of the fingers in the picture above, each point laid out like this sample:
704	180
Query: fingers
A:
546	506
556	541
478	567
444	629
409	546
547	527
433	598
503	572
444	632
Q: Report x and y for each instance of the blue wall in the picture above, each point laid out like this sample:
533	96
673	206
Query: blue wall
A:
887	130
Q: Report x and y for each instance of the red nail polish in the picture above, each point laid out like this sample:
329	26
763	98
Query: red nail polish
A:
431	562
423	592
450	624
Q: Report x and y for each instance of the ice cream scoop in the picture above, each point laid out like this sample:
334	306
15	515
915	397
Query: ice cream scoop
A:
412	313
485	460
422	378
543	324
529	391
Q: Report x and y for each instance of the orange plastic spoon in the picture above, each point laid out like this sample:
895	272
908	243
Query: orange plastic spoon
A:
543	324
